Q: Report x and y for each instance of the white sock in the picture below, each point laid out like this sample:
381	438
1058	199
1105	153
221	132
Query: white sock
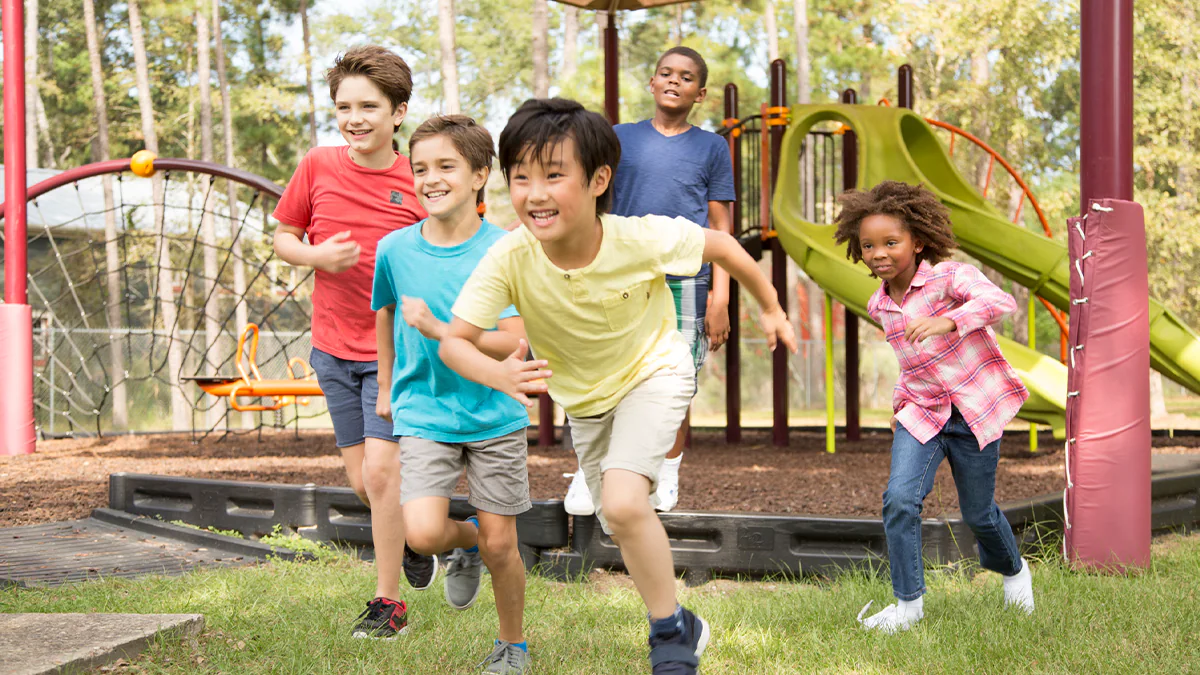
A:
671	465
911	607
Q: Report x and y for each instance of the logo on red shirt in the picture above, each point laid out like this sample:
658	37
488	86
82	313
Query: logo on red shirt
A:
396	198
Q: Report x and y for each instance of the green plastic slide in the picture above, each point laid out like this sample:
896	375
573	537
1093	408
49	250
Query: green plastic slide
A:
813	247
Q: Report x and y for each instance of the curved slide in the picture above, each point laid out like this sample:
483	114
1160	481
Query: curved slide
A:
825	262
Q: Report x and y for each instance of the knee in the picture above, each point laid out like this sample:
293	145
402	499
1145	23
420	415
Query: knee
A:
356	484
900	504
378	476
624	511
496	546
423	540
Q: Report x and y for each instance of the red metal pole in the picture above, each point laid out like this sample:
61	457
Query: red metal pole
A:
17	432
612	76
733	362
779	360
849	182
1106	101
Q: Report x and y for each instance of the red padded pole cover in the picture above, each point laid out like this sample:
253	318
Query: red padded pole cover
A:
1108	397
17	436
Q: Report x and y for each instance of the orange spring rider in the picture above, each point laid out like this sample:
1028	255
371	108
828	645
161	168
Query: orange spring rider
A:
292	391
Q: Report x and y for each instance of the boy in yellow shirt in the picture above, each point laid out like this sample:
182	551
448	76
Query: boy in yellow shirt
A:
599	316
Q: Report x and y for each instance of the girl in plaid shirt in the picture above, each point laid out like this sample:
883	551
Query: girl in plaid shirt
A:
955	394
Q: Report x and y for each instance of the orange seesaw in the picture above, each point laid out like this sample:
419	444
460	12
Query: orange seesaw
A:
294	390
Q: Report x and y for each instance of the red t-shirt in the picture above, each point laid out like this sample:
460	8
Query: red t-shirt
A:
328	194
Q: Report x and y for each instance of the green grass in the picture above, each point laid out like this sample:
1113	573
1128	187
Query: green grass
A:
295	618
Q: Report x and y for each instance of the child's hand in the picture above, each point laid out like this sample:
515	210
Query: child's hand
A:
716	324
416	314
775	324
523	378
383	402
337	253
925	327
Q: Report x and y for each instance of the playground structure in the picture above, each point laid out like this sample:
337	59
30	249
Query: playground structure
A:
888	142
250	383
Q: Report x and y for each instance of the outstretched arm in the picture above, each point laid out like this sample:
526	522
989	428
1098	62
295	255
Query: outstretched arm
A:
514	375
722	249
497	344
336	254
716	319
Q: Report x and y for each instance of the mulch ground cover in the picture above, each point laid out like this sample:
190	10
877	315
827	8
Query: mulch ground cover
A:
67	478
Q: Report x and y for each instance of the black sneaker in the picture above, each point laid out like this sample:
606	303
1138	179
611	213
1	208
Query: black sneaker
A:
677	651
419	569
382	620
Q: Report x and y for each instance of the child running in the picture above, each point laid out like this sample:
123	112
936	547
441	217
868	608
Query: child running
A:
592	292
956	392
345	199
696	165
445	422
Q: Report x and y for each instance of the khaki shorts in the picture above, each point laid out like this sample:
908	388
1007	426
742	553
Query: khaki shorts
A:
637	434
497	475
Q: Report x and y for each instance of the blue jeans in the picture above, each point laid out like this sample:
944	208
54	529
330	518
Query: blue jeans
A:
914	466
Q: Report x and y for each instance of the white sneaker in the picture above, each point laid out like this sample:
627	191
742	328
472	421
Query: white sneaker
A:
1018	589
578	501
668	490
892	619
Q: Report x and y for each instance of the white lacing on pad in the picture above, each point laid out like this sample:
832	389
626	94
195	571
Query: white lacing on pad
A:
1079	226
1097	207
1080	301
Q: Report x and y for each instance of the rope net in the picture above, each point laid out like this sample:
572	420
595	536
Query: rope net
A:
139	284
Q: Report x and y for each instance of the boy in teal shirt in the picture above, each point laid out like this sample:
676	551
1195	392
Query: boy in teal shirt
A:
445	422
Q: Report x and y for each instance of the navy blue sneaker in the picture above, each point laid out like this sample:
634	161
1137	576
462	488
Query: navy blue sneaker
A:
676	647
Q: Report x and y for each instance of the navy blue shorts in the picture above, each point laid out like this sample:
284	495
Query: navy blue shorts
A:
350	390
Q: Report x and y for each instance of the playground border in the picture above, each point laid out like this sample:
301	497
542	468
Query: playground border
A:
704	544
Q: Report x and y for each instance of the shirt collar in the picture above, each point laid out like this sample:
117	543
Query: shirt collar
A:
918	281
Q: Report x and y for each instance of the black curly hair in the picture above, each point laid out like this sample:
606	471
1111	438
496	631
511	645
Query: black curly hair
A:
914	206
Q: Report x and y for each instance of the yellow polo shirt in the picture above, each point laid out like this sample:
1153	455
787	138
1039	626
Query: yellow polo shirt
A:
603	328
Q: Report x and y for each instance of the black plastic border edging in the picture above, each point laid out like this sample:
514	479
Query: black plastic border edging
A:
198	537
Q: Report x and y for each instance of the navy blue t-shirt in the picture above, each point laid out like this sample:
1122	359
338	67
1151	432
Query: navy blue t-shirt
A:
674	176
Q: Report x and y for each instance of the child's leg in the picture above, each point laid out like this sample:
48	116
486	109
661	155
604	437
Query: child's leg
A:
498	477
975	478
429	529
353	457
381	477
342	385
644	425
914	466
498	545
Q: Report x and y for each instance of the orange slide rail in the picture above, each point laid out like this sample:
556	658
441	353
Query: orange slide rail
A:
292	391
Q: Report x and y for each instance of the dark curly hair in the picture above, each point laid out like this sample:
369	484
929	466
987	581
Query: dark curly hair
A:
914	206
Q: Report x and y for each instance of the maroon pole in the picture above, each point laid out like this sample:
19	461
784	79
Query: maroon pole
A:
904	86
17	431
849	182
733	363
779	361
1106	101
612	76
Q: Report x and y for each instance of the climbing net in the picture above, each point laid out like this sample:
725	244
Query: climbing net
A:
140	285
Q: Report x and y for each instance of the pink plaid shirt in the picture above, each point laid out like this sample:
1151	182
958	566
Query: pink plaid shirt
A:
964	368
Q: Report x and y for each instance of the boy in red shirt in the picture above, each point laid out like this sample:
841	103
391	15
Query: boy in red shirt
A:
345	199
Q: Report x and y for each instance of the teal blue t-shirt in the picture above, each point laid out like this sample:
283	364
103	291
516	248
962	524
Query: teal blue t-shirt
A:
428	399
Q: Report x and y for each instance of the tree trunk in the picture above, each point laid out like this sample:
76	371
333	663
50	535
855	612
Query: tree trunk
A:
181	417
213	354
804	64
308	87
450	103
32	157
570	43
112	253
981	75
772	31
235	230
541	49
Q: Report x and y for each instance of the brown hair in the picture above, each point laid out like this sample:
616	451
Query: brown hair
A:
917	209
470	139
383	68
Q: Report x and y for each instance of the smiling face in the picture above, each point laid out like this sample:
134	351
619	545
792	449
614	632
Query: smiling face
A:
888	248
552	195
676	83
443	179
367	120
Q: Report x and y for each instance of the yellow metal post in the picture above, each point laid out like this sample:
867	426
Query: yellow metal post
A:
829	411
1033	430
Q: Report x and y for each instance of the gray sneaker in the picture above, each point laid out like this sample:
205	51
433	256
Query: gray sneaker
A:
463	578
506	659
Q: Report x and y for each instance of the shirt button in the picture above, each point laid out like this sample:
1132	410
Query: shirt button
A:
566	276
625	295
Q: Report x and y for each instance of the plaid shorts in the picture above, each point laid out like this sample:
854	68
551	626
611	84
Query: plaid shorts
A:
691	304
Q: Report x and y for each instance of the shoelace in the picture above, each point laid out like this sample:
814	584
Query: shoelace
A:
374	610
505	652
458	561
